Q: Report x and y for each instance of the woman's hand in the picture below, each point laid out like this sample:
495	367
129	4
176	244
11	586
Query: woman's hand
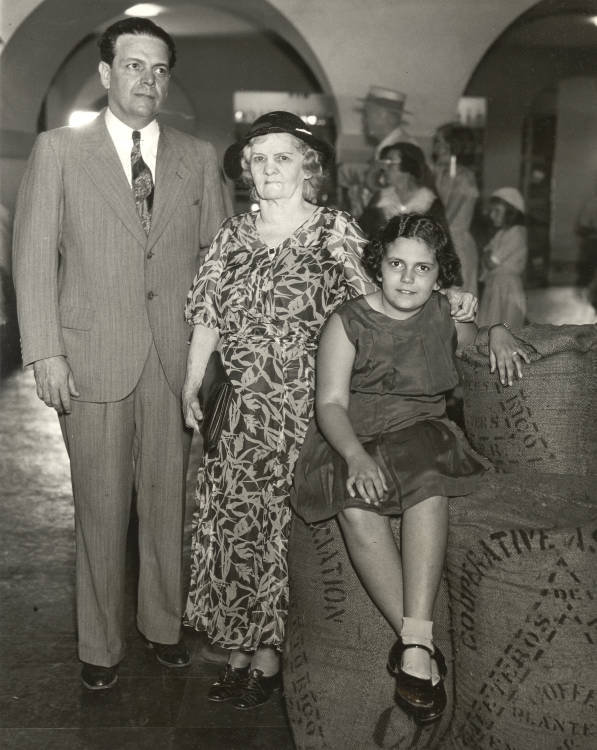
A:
191	409
463	305
365	479
506	354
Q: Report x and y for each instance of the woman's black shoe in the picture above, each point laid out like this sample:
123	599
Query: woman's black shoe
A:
229	685
257	690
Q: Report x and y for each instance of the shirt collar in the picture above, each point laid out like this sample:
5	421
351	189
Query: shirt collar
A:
123	133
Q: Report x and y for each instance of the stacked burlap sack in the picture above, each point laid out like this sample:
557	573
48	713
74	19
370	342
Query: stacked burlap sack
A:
518	628
522	552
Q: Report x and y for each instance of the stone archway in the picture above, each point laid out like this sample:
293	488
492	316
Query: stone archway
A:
51	30
41	42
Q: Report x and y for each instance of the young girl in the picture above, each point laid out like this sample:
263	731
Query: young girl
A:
385	361
504	262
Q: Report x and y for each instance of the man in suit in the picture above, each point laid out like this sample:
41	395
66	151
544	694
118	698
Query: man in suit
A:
110	221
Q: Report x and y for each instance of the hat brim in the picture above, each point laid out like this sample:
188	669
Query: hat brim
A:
232	156
383	102
231	163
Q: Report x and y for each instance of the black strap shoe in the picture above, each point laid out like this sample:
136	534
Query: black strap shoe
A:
95	677
395	659
416	694
434	713
257	690
229	685
173	655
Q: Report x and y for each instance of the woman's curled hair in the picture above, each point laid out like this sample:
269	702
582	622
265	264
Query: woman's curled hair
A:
416	227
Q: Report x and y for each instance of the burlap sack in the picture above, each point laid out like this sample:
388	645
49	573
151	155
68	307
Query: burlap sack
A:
339	695
522	573
544	422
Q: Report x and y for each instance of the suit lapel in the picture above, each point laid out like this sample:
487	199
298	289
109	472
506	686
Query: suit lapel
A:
101	162
170	178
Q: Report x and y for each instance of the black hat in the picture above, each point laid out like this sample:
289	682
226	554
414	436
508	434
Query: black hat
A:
274	122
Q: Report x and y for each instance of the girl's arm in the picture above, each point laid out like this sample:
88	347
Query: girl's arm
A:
510	251
204	341
335	360
505	352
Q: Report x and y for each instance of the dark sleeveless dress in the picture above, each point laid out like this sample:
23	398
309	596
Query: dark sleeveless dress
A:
397	408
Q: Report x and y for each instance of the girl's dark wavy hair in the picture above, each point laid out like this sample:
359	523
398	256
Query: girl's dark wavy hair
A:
416	227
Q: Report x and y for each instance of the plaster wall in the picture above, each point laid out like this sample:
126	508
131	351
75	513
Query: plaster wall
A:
427	48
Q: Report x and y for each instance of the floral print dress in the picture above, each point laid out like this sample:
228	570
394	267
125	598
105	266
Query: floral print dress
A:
269	305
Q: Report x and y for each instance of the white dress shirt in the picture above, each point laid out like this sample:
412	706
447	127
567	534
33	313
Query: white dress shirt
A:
122	137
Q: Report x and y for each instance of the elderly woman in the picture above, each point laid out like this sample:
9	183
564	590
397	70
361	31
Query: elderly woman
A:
270	280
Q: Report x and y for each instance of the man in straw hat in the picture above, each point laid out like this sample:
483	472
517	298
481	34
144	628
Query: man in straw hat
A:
383	117
383	111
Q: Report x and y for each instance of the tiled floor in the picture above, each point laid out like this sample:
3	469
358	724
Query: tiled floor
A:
42	704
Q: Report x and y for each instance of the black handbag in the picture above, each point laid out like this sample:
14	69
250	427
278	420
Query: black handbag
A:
214	396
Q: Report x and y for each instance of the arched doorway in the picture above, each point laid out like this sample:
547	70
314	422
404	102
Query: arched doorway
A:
539	79
222	48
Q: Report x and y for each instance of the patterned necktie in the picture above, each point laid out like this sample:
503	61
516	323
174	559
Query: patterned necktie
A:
142	183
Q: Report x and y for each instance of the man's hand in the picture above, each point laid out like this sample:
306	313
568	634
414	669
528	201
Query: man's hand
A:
463	305
55	383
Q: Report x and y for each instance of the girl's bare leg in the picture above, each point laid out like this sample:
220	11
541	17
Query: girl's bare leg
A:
424	539
375	556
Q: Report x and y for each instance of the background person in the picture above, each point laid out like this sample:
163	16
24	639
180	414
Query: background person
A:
585	228
504	262
410	188
109	224
453	153
383	114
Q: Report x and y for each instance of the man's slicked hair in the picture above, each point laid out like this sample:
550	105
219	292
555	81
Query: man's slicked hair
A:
138	26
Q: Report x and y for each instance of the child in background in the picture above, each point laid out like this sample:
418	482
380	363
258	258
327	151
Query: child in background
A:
504	262
384	364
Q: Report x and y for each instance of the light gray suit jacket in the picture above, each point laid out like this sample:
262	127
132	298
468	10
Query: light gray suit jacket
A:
90	284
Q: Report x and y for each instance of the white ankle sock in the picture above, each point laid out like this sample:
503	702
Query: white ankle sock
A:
420	633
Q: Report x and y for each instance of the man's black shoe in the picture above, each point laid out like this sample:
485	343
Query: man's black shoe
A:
98	678
173	655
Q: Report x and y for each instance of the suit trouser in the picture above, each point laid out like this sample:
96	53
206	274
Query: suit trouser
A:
139	440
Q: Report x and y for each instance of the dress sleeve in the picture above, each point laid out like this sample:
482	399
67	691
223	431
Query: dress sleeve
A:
200	308
510	253
346	243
